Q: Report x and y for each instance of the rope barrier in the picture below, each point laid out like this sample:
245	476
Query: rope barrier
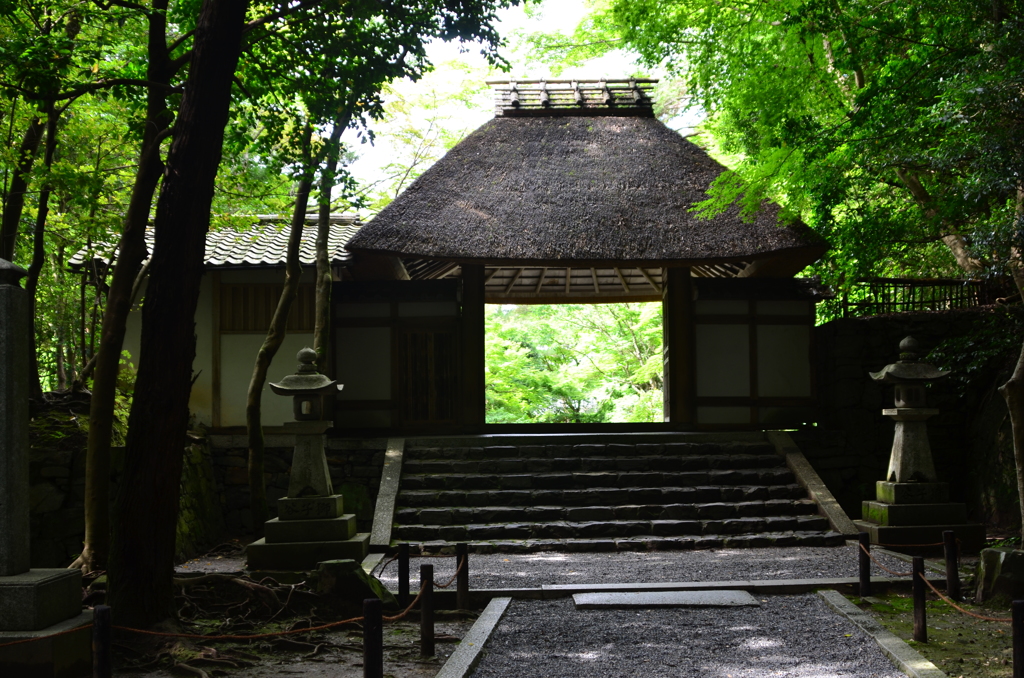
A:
198	636
950	602
906	546
454	576
55	635
385	566
875	561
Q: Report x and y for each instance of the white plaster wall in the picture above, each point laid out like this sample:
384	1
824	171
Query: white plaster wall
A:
238	353
201	400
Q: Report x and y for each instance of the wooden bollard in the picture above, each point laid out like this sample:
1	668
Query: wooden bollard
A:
373	639
403	575
101	642
427	611
1018	638
952	564
864	539
462	580
920	619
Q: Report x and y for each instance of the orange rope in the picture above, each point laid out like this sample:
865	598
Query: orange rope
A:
895	574
967	612
450	581
62	633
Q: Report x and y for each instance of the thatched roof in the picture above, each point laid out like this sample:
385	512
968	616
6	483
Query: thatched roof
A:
552	189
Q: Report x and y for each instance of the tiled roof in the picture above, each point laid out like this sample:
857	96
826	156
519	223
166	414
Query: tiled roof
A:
264	244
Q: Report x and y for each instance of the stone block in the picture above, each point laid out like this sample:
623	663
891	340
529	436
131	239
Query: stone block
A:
310	508
972	537
913	514
63	650
625	600
304	555
279	531
36	599
1000	575
346	580
911	493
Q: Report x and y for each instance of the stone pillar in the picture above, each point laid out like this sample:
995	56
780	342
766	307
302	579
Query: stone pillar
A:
37	605
14	363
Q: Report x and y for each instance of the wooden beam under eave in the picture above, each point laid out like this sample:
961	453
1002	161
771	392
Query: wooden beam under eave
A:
568	278
540	280
490	274
649	279
597	285
622	279
508	288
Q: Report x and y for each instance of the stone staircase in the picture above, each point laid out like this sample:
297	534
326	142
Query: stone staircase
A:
603	493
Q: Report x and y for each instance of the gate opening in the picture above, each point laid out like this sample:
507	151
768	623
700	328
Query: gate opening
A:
574	363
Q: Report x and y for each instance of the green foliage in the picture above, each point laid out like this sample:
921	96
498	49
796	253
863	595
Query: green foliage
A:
836	108
574	364
978	356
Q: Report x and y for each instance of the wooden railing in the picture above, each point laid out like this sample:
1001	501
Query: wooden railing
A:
880	296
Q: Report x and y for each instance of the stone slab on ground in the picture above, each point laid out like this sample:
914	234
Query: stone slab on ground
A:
470	649
906	658
384	512
304	555
650	600
39	598
63	650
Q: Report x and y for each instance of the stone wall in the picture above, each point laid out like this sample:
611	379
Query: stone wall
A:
355	466
850	446
58	439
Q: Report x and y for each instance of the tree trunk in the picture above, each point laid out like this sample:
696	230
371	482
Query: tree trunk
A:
19	184
275	337
324	276
141	562
35	269
1013	390
124	284
954	241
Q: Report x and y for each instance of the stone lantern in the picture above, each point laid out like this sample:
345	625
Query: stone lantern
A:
311	525
307	388
912	507
911	458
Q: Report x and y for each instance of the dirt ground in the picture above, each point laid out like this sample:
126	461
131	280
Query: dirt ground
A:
335	654
961	646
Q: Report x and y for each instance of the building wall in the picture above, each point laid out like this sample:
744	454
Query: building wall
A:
237	354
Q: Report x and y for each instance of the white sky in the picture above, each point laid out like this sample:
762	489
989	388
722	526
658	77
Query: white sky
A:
455	69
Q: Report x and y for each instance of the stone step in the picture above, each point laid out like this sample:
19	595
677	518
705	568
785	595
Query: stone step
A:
599	479
645	463
566	529
589	450
712	511
637	543
602	496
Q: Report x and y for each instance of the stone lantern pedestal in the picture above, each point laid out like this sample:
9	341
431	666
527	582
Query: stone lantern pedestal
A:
911	507
311	526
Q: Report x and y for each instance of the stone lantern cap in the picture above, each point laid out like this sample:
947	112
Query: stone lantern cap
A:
907	369
306	380
11	274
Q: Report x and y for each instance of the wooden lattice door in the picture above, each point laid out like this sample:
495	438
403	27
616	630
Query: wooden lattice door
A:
428	375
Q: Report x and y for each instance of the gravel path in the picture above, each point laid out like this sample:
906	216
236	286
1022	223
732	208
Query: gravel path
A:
795	636
489	571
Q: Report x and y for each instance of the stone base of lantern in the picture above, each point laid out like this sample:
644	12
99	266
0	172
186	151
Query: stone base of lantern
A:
63	650
914	515
304	555
309	530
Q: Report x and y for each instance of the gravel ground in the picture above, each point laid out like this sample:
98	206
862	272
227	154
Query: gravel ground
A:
796	636
490	571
